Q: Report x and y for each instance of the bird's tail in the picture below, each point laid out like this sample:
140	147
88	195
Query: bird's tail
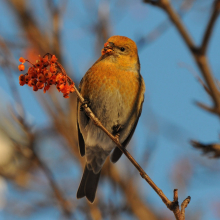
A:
88	185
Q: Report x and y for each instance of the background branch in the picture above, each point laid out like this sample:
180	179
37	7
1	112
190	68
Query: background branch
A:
199	57
75	32
210	26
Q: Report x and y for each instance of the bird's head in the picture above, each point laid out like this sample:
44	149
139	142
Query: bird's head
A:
122	50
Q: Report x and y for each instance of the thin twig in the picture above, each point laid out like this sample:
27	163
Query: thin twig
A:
64	204
209	28
183	206
205	107
132	198
194	73
212	149
57	192
174	17
9	76
29	24
200	58
163	26
173	206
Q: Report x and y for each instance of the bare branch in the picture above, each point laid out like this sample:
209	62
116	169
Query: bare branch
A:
213	148
183	206
8	74
207	108
200	58
209	28
175	195
163	26
174	17
131	194
194	73
32	155
65	205
153	2
173	206
29	24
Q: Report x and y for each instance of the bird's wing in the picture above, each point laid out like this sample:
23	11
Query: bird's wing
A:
117	152
81	143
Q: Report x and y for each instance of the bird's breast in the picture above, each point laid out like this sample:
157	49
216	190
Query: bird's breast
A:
114	96
107	81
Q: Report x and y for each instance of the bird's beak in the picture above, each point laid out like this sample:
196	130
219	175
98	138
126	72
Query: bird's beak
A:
108	48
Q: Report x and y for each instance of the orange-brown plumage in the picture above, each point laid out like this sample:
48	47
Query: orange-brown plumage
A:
115	90
111	79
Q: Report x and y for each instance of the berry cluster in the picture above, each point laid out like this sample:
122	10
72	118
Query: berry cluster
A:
44	73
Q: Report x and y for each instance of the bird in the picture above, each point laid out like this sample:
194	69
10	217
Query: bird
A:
114	90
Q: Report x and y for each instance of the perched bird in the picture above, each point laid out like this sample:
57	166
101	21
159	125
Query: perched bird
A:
114	89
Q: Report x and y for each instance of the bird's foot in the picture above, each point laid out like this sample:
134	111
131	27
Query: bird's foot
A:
86	103
116	129
117	136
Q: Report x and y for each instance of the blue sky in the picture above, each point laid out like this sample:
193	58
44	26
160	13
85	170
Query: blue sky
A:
170	117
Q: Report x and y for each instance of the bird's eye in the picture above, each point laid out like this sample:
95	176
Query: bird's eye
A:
122	49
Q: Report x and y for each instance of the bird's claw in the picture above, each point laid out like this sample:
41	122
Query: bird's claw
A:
116	129
86	103
117	136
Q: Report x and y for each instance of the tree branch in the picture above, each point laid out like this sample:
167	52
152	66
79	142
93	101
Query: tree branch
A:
212	149
131	195
163	26
173	206
65	205
209	28
199	57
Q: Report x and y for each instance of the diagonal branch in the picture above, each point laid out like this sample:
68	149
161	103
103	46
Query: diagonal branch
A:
65	205
209	28
212	149
131	194
173	206
33	157
29	24
163	26
200	58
